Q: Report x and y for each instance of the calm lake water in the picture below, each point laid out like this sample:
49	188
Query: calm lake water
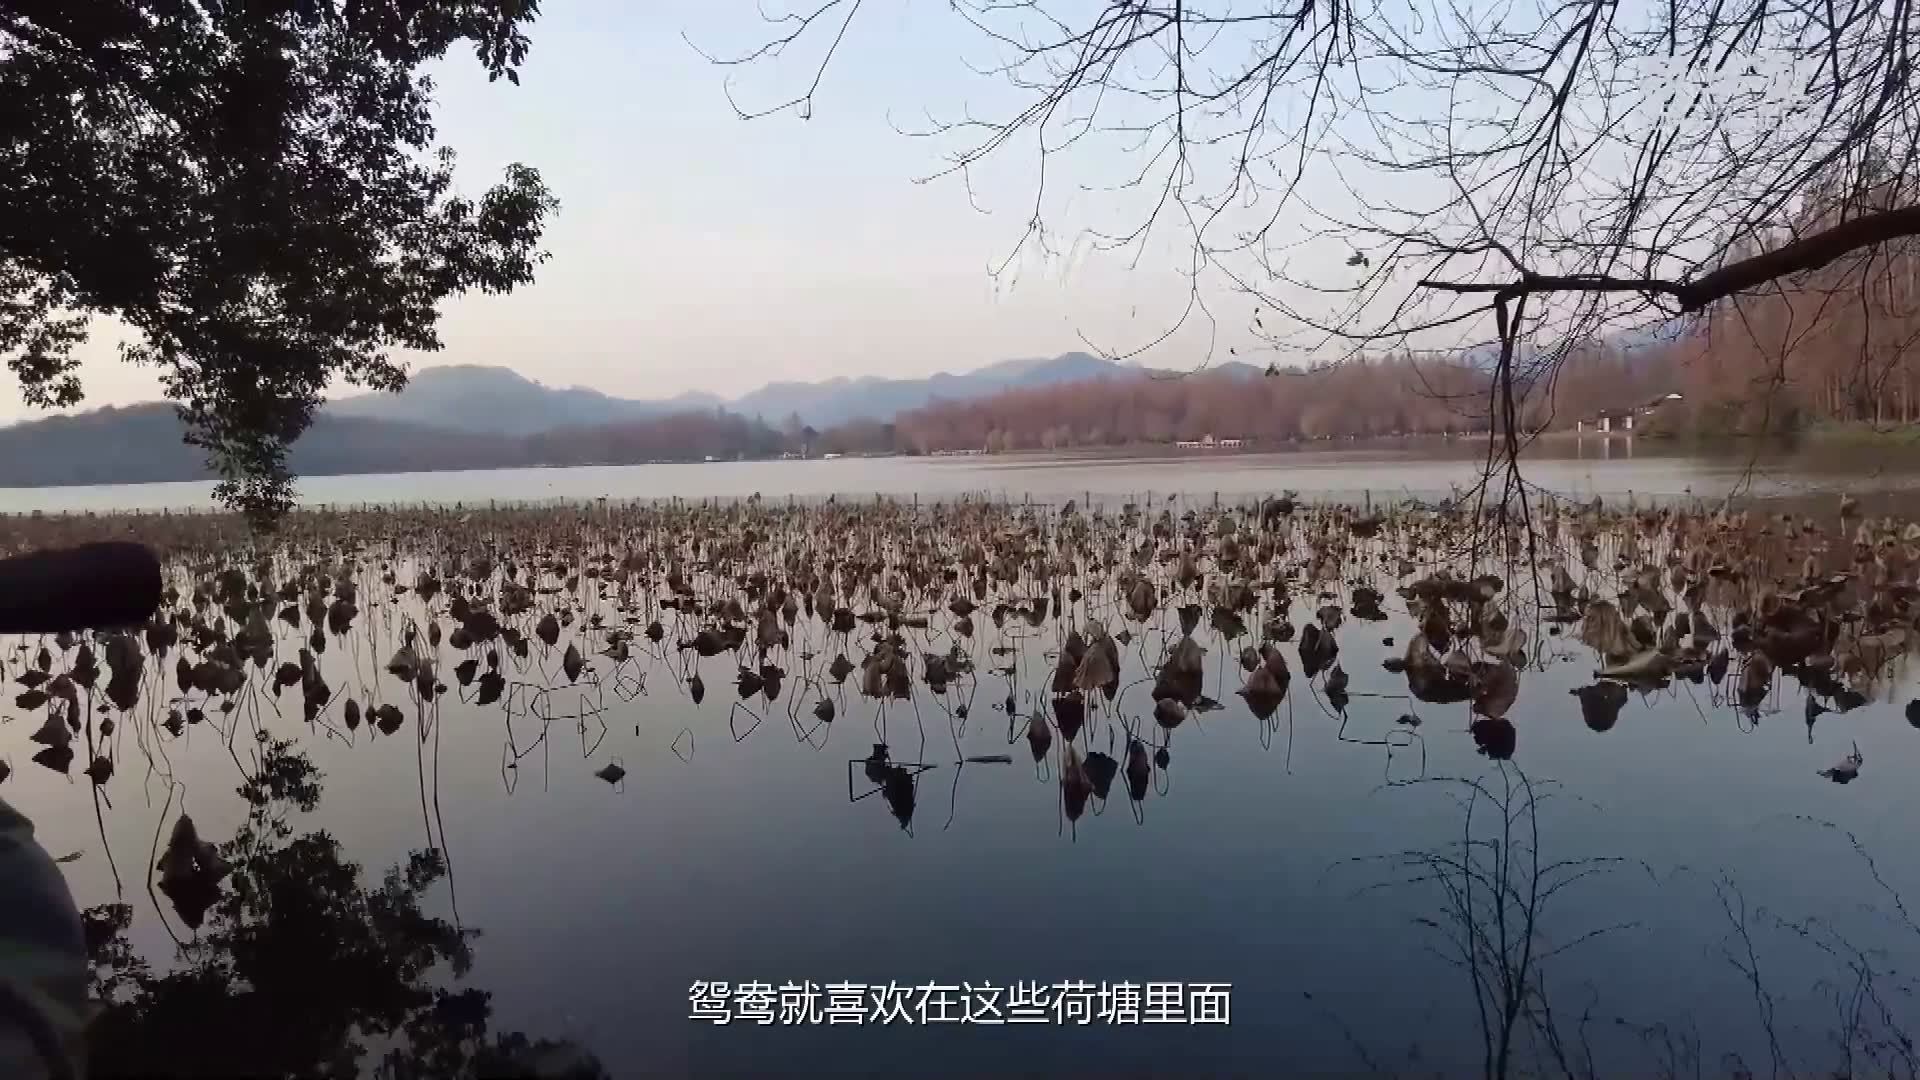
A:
1300	859
1385	470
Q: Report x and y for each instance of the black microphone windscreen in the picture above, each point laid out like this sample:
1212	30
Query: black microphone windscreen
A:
93	586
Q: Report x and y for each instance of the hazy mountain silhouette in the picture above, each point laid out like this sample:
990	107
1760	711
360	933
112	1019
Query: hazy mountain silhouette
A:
478	417
498	400
837	401
142	444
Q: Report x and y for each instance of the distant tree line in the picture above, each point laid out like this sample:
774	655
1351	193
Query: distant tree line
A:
1833	346
687	436
1836	346
1359	398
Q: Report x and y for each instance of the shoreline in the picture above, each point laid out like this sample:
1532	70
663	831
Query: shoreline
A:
1452	447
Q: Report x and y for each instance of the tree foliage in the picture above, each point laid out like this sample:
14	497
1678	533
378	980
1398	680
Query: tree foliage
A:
253	188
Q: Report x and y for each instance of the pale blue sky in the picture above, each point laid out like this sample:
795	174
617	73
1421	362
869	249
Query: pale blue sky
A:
698	251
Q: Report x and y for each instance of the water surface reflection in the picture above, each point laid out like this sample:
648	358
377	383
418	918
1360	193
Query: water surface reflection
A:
1417	804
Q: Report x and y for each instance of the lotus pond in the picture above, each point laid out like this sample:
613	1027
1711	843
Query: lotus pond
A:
1579	790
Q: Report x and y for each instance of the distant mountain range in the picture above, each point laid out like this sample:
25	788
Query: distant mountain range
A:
837	401
473	417
142	444
501	401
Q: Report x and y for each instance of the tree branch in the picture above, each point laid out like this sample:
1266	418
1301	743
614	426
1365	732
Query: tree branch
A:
1797	257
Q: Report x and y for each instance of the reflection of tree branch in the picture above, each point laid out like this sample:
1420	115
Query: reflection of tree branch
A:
1496	890
1747	962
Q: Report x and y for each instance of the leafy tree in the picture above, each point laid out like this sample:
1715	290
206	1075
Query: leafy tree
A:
254	190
